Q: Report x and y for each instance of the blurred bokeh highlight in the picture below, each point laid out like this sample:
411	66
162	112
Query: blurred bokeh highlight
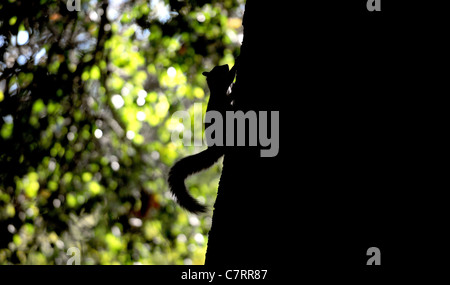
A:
86	99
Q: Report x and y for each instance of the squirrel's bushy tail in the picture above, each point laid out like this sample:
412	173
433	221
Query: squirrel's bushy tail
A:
186	167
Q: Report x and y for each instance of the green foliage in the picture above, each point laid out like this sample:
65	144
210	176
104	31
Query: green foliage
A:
85	105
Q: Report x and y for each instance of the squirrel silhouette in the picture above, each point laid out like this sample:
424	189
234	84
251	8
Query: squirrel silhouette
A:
219	81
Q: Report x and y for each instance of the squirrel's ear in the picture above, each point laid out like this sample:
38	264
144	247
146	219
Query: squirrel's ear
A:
222	68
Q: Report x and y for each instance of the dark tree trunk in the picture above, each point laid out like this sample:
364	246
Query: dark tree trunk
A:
342	179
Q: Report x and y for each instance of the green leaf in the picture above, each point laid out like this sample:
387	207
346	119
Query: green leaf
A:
95	188
86	176
95	73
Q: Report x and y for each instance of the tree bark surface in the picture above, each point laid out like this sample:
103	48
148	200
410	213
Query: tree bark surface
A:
344	175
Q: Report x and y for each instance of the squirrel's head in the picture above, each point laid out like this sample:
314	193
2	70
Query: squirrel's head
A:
220	77
218	71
